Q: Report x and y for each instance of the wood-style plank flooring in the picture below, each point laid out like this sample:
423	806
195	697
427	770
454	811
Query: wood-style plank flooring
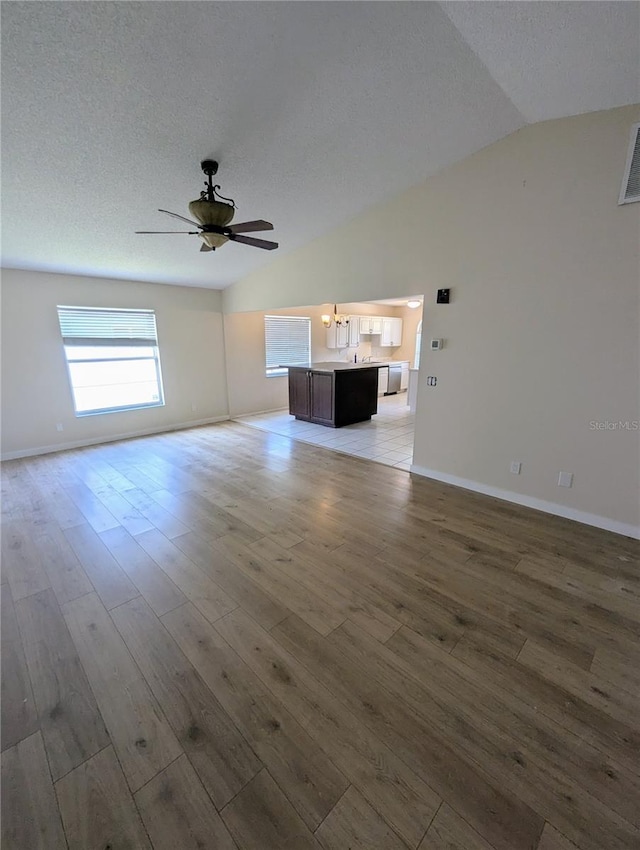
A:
223	638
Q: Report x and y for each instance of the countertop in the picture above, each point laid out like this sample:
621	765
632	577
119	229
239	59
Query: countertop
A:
389	362
345	366
336	366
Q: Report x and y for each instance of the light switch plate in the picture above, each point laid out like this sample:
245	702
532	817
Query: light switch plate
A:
565	479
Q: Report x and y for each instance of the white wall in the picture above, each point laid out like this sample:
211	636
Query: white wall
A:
542	335
35	388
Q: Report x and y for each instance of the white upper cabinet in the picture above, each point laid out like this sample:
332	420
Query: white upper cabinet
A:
370	325
354	331
338	336
391	332
348	336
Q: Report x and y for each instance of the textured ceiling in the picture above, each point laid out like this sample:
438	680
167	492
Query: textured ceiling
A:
315	111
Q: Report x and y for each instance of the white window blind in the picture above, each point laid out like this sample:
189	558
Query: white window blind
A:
630	191
112	358
287	342
88	326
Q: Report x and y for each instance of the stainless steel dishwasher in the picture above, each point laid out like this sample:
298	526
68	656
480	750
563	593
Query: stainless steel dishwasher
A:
395	377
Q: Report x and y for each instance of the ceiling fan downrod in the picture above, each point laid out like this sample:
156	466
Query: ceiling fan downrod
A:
210	168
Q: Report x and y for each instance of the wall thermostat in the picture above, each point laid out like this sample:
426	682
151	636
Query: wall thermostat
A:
443	296
436	344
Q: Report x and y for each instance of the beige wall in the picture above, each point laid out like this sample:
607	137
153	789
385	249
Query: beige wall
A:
250	391
542	334
410	320
35	388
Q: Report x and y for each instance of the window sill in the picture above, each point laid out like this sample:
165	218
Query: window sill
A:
117	409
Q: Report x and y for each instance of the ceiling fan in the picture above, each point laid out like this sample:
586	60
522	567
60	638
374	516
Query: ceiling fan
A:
213	213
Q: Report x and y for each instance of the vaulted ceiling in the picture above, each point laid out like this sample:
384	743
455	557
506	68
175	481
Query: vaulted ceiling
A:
314	110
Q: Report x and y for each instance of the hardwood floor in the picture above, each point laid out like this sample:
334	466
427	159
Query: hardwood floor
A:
224	638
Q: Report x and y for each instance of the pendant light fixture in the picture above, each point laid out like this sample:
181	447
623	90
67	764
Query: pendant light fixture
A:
337	318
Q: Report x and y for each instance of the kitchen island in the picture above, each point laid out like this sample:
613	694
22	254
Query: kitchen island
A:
333	394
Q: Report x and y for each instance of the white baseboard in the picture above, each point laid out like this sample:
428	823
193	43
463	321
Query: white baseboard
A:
564	511
240	416
94	441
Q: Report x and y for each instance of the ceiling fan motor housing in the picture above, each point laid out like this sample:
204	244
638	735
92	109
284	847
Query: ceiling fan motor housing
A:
212	213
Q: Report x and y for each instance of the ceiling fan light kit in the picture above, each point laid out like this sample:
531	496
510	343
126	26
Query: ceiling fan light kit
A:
214	213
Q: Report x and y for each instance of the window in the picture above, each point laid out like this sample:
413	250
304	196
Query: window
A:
287	343
112	357
416	359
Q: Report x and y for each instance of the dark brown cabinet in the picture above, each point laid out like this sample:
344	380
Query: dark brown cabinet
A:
300	392
322	398
333	396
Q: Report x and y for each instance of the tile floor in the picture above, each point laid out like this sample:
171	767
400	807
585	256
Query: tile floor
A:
387	437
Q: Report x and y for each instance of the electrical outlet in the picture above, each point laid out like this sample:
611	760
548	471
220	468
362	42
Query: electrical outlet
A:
565	479
515	467
193	407
59	427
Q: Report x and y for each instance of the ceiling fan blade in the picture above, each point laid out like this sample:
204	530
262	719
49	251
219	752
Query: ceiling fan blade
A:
188	232
205	247
250	226
256	243
181	217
